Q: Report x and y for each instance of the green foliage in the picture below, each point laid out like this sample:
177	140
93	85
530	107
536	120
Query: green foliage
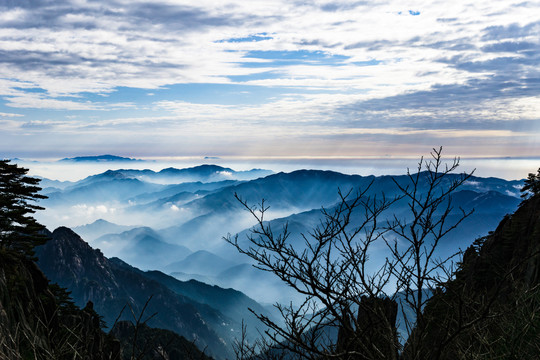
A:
19	231
65	303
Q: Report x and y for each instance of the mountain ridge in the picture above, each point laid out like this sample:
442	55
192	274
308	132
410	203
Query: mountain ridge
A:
99	158
72	263
111	283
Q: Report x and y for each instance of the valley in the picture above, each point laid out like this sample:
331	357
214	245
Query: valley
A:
163	245
175	220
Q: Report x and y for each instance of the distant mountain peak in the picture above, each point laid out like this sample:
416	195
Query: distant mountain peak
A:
204	168
99	158
101	222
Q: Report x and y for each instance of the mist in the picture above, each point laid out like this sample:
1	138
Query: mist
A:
505	168
175	220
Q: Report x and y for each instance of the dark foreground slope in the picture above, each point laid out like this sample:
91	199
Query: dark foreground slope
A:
37	320
209	316
90	276
145	343
492	308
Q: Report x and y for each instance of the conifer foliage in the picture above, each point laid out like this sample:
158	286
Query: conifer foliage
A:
19	231
531	186
38	320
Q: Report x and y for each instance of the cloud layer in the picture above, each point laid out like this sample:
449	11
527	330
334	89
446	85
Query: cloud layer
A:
269	77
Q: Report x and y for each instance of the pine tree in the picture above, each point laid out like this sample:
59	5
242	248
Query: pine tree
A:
19	231
531	186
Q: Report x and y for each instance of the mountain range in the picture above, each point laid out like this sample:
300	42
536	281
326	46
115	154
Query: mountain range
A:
99	158
174	220
207	315
152	234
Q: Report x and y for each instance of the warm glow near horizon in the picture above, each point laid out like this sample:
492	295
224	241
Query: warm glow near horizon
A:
505	168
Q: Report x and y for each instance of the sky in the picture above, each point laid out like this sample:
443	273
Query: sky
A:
273	78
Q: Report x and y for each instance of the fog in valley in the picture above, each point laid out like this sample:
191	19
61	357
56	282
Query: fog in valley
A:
175	219
269	179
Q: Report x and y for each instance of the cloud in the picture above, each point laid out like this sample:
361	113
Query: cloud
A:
301	69
85	210
38	101
335	6
513	30
155	44
251	38
40	125
93	15
9	115
510	46
470	94
179	17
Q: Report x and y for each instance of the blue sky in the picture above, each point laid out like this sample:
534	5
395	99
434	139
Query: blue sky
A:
269	78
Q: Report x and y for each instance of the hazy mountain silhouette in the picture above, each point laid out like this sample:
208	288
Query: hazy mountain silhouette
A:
196	214
141	247
183	188
99	158
210	173
99	228
101	190
287	193
200	262
263	286
230	302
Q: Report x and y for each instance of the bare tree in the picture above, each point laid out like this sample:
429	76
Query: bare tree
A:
351	297
417	269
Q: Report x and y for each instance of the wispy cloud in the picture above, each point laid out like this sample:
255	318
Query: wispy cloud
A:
9	115
301	69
